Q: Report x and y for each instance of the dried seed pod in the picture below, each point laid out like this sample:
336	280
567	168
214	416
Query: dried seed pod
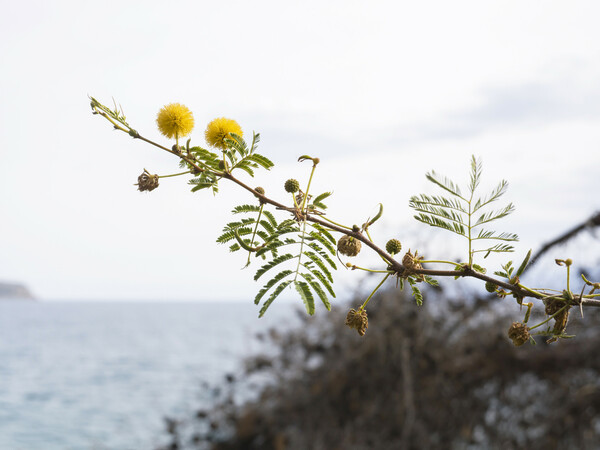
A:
518	333
393	246
292	186
147	182
411	261
561	319
553	306
349	246
358	320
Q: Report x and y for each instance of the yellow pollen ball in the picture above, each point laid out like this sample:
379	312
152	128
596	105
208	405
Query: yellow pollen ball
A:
175	120
218	130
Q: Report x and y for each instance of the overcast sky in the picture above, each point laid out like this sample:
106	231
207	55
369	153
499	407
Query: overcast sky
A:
381	91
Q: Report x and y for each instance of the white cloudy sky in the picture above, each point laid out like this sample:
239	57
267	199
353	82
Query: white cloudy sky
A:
381	91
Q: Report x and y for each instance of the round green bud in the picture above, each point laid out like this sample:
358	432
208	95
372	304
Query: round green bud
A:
292	186
393	246
260	190
491	287
221	165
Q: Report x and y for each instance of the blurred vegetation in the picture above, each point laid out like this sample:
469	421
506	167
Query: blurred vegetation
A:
443	375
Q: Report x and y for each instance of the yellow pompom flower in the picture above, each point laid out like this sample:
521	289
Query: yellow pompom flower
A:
175	121
218	130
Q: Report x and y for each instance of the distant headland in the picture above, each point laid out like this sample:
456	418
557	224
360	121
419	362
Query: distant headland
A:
15	291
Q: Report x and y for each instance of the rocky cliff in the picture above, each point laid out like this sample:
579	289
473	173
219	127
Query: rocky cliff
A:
15	291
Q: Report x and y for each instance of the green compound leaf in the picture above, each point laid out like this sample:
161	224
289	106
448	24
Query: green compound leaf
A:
457	215
204	181
272	245
493	196
317	288
307	297
498	248
324	232
318	201
245	166
209	159
244	158
494	215
497	236
270	217
272	282
245	209
268	226
478	268
278	290
523	265
476	170
315	258
322	254
323	281
440	223
444	183
416	291
312	244
431	281
507	270
261	160
322	240
237	144
436	201
275	262
255	141
230	234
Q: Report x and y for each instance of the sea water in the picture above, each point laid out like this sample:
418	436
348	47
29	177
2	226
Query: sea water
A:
103	375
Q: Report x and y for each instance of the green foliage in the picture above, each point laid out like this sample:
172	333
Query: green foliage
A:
463	214
299	251
237	156
117	113
506	272
415	290
317	203
307	262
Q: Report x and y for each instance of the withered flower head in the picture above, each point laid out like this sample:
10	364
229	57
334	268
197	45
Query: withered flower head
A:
411	261
358	320
519	333
147	182
553	306
349	246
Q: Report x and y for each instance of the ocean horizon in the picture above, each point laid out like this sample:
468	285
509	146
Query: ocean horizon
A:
104	375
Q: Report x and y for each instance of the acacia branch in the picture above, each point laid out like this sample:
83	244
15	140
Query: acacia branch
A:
401	269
